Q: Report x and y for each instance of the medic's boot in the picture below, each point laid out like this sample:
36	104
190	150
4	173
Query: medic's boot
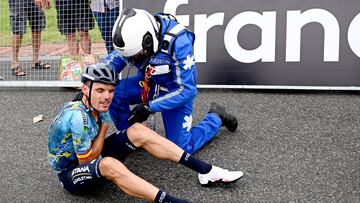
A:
228	120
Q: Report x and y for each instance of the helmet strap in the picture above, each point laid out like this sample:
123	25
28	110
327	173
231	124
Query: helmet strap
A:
88	98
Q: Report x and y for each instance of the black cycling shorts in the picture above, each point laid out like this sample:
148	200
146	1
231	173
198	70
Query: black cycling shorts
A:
85	178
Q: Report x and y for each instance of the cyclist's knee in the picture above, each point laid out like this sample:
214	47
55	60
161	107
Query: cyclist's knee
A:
140	135
111	168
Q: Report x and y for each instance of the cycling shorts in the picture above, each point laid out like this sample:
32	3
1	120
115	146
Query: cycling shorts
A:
85	178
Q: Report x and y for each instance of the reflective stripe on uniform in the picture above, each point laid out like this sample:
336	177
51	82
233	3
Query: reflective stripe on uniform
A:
170	36
178	81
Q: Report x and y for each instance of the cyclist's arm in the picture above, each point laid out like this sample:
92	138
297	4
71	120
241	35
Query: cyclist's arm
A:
87	146
96	145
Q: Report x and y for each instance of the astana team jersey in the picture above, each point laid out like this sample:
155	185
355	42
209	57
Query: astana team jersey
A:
71	133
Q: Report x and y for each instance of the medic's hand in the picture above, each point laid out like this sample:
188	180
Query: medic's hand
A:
140	113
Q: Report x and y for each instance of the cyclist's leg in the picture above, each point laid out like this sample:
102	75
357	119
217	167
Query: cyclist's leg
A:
118	146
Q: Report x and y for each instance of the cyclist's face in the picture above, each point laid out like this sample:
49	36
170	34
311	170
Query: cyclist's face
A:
101	96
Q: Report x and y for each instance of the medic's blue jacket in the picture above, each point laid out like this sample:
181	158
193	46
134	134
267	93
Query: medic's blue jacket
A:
174	65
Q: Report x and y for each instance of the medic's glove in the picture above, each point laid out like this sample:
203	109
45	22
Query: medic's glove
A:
140	113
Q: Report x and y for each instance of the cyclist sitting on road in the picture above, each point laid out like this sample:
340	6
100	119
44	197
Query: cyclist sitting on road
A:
83	157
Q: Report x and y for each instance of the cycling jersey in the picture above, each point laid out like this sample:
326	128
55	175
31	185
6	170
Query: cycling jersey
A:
70	135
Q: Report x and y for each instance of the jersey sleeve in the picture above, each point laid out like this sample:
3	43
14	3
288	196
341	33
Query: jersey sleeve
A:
105	117
184	74
80	130
116	61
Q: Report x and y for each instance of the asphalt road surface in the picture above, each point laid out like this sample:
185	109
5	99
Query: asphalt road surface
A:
293	146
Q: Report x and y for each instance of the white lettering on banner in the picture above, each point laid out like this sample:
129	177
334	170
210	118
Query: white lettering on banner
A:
296	20
201	26
354	35
171	6
267	23
266	51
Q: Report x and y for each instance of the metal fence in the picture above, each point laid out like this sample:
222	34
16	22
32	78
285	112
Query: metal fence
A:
54	43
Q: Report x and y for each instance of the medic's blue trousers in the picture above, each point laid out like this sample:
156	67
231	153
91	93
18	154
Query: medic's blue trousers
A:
177	129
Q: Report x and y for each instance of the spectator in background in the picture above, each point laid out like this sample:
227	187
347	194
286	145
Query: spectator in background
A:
105	13
72	16
20	12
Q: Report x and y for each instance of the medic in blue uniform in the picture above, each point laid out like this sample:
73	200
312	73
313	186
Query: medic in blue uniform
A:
162	51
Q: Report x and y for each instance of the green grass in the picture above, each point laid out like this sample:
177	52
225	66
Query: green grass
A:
49	35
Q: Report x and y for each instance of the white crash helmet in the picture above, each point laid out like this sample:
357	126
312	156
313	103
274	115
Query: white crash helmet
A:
135	30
